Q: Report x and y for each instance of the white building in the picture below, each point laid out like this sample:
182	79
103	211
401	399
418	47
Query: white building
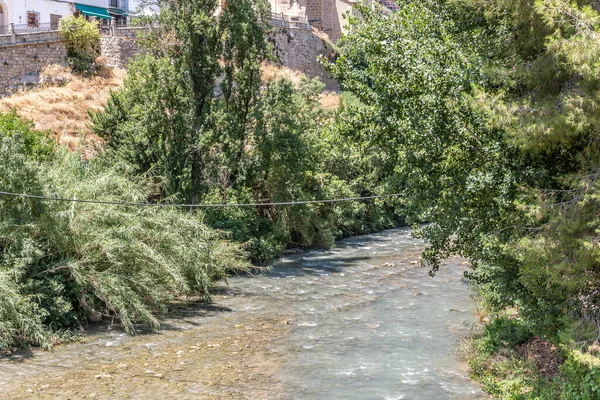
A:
35	13
134	6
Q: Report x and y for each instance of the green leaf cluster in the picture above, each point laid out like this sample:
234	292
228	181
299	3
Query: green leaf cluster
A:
489	111
196	114
83	40
63	264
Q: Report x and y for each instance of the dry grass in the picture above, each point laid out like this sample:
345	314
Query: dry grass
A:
271	72
64	109
329	100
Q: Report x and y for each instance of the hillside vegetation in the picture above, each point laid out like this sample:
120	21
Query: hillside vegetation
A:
483	115
62	104
192	124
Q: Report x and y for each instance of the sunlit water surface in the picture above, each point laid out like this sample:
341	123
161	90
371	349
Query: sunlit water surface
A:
369	322
366	323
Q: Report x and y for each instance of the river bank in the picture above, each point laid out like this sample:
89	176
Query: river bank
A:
359	321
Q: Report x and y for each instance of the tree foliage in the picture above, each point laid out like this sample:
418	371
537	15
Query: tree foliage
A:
83	41
80	34
490	111
196	114
63	264
203	69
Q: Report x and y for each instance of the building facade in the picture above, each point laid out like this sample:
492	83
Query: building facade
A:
34	14
328	16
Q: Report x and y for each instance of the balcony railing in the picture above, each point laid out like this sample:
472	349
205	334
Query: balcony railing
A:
26	28
280	19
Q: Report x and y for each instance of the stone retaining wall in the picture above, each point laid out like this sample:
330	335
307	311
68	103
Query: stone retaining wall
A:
29	37
300	49
20	64
118	50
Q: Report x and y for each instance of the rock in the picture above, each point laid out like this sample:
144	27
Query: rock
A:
59	80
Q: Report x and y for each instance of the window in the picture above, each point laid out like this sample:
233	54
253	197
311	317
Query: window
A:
33	19
113	3
54	21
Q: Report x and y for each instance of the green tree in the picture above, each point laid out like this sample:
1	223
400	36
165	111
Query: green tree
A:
83	40
204	69
62	264
413	75
490	111
196	113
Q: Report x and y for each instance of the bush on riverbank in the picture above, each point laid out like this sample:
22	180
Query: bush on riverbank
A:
512	364
62	264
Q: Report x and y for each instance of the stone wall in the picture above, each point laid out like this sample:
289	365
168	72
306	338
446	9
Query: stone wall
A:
24	55
29	37
20	64
338	12
314	12
325	15
118	50
299	49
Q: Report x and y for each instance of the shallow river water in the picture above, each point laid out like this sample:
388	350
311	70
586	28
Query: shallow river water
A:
360	321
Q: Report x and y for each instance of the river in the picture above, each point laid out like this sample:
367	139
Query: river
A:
360	321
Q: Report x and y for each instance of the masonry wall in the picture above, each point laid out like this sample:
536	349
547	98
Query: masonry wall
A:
31	37
20	64
299	49
314	12
23	56
119	51
340	9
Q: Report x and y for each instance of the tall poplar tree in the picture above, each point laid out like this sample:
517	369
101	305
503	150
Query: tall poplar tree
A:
196	86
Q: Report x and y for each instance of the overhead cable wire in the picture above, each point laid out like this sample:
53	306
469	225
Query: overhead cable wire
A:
130	204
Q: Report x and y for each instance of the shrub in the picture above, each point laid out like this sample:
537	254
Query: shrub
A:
66	263
37	145
580	377
504	332
82	39
79	33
